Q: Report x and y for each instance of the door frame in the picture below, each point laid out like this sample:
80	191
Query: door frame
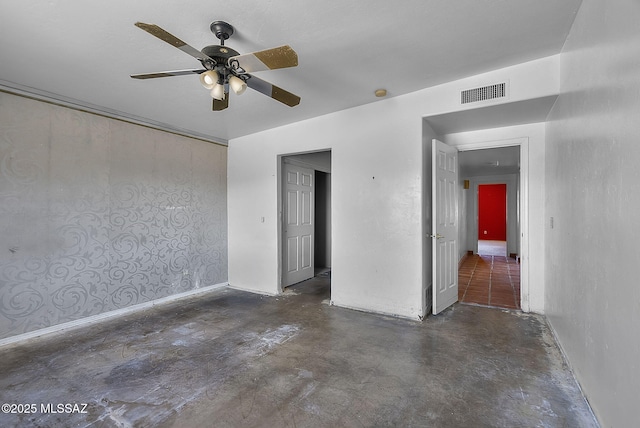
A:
280	160
523	250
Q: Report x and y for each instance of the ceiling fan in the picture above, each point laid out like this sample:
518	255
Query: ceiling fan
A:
225	68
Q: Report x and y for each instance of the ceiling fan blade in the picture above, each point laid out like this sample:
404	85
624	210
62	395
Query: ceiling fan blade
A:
166	74
273	91
221	105
269	59
165	36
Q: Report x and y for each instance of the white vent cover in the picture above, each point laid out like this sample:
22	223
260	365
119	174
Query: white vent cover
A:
499	90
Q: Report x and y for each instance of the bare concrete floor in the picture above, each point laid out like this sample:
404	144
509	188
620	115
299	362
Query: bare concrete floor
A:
236	359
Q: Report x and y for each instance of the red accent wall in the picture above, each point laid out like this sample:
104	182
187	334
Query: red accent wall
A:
492	212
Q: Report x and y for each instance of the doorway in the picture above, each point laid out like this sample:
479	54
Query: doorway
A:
304	203
322	229
503	163
492	219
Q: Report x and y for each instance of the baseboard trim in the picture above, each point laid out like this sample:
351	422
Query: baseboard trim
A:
464	257
254	291
95	319
555	336
416	317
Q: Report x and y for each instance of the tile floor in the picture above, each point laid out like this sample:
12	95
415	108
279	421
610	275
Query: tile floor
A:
489	281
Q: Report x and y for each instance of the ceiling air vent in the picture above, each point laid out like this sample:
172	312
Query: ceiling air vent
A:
499	90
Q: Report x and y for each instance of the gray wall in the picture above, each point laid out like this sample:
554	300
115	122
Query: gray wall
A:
593	194
98	214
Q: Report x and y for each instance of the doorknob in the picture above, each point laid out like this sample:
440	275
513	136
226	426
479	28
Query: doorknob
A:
437	236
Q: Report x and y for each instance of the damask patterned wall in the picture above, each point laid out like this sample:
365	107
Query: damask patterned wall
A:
98	214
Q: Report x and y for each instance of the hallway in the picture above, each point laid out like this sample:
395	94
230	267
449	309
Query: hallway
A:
489	280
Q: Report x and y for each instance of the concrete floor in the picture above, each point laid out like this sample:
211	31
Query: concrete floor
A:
237	359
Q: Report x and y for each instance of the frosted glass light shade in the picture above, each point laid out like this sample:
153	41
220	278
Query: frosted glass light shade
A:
209	79
237	85
218	92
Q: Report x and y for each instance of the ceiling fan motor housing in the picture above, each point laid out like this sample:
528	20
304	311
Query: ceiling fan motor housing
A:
220	54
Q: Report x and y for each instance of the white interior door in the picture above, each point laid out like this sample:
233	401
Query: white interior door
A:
299	191
445	225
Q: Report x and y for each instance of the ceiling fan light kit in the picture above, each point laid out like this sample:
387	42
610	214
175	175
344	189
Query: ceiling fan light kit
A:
225	68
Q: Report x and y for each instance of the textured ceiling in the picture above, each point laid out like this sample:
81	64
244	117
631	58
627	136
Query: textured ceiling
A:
84	51
498	161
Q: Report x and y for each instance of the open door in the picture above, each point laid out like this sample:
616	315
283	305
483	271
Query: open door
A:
445	225
299	189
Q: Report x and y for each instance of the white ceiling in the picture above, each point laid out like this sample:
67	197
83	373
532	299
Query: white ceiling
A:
84	51
497	161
